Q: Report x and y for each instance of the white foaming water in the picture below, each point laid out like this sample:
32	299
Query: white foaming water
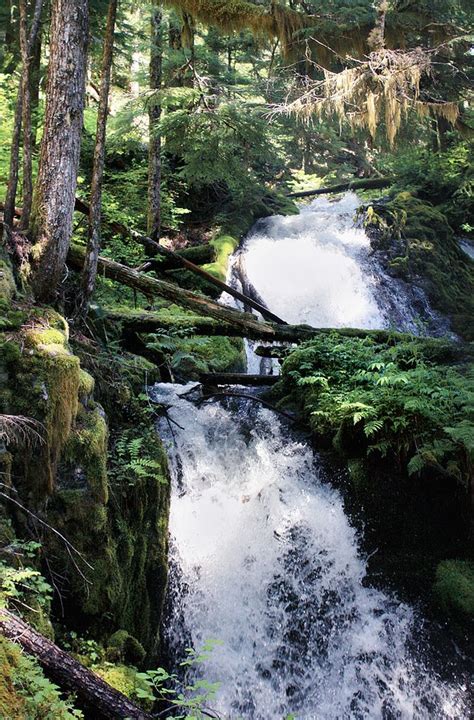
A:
316	268
309	268
263	556
269	566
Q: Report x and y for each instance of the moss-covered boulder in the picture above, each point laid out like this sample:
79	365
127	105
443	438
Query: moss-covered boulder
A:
454	588
108	549
415	242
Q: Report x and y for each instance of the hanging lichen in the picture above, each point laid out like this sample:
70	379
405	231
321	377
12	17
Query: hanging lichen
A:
384	87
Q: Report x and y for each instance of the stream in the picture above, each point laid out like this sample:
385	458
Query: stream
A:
264	561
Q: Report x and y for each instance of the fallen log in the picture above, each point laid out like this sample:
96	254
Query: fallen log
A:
142	321
92	692
155	248
237	379
364	184
272	351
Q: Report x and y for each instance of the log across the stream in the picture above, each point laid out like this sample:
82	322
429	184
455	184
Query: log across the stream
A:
102	700
363	184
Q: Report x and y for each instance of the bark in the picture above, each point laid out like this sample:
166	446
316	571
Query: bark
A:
364	184
244	324
89	272
53	201
22	115
237	379
92	692
154	115
184	263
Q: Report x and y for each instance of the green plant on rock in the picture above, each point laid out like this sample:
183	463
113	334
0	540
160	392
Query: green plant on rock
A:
400	400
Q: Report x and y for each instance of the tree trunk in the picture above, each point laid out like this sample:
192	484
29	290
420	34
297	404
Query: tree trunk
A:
35	77
22	113
28	49
93	243
93	693
154	115
54	196
197	254
141	321
364	184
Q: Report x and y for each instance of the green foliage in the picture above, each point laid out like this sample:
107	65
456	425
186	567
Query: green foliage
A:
444	179
131	461
25	693
454	586
400	400
20	583
186	699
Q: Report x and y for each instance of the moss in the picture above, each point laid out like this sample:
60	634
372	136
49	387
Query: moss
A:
208	354
85	454
125	679
11	703
86	386
225	245
454	587
124	647
358	473
418	245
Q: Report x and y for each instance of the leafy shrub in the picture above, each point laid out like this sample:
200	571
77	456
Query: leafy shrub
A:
399	400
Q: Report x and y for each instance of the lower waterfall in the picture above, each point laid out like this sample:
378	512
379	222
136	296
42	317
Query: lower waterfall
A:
264	560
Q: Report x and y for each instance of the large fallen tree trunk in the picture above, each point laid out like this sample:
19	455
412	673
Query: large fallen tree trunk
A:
92	692
228	322
364	184
237	379
142	321
155	248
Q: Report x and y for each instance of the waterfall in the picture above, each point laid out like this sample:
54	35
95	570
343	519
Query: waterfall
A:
264	559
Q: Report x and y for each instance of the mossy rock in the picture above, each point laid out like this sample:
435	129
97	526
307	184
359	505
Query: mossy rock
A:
40	379
84	459
123	647
454	587
418	245
126	680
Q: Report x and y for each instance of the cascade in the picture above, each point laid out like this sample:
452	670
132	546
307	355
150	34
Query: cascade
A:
264	560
